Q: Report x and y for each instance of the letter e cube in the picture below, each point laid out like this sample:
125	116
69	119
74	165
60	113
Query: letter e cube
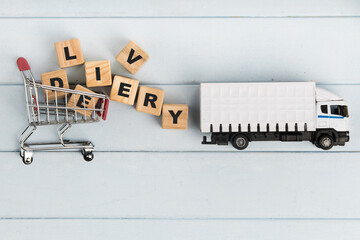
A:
82	102
124	90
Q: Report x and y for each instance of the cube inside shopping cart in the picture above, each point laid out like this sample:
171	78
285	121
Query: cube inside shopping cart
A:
83	104
56	79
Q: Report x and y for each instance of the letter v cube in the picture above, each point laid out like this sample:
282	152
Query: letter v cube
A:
175	116
132	57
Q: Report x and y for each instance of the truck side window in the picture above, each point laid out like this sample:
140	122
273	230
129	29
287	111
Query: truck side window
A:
324	109
335	109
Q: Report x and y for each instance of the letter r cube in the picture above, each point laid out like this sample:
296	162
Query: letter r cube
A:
150	100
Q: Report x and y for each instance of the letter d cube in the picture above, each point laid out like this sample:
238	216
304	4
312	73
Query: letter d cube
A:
55	79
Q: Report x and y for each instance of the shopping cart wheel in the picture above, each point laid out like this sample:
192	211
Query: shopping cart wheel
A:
27	161
88	155
27	158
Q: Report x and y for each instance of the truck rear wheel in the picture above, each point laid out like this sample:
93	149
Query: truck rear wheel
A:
240	142
325	142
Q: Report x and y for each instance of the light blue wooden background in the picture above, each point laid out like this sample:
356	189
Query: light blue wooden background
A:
150	183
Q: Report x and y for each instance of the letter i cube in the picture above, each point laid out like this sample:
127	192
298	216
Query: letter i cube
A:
175	116
98	73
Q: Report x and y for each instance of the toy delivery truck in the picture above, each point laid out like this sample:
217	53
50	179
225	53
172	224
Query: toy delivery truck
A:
284	111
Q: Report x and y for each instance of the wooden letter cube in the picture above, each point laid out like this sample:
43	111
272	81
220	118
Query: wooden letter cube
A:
175	116
56	79
98	73
69	53
150	100
132	57
124	90
81	101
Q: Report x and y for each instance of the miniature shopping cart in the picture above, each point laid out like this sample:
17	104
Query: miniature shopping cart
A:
44	111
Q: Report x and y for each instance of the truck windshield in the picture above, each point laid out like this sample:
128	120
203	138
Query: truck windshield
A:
341	110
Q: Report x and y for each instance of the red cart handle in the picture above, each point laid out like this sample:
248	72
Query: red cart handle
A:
23	65
106	106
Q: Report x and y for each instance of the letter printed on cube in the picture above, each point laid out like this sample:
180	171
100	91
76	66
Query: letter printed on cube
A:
175	116
132	57
69	53
150	100
98	73
82	102
56	79
124	90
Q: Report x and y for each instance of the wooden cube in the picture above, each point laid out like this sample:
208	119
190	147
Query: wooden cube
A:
80	101
132	57
56	79
175	116
69	53
98	73
150	100
124	90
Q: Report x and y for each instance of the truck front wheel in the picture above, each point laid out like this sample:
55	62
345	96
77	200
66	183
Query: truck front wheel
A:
325	142
240	142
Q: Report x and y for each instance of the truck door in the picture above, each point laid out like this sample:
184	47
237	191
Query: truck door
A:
338	117
323	118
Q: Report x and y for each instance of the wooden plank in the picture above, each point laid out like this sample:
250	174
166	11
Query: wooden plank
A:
128	130
142	8
181	185
325	50
176	229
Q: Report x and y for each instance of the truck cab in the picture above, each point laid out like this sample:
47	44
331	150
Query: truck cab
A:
332	111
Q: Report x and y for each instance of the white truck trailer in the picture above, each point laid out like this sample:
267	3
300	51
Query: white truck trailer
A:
285	111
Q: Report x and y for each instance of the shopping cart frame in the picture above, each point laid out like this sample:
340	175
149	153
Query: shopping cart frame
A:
55	112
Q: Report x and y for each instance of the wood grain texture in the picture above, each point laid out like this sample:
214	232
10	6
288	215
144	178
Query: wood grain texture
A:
150	183
161	8
124	90
143	131
132	57
150	100
175	116
69	53
181	185
82	102
205	50
112	229
56	78
101	78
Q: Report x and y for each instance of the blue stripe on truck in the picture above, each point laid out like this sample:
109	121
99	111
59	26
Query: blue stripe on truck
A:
322	116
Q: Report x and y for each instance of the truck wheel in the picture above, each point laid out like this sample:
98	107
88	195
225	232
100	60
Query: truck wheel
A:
240	142
325	142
